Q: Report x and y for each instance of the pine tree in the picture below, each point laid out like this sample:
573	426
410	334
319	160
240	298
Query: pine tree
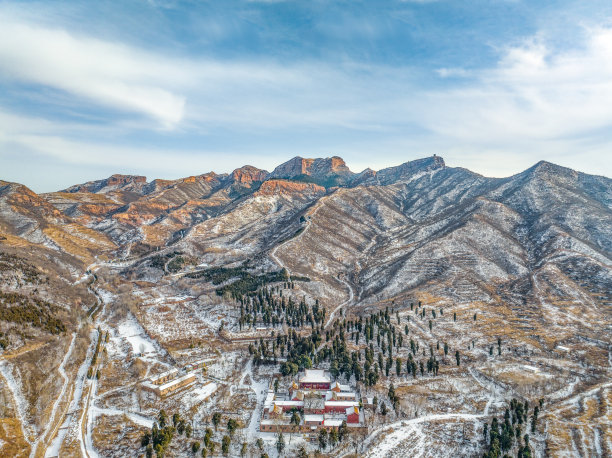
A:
216	419
280	443
225	444
333	437
323	439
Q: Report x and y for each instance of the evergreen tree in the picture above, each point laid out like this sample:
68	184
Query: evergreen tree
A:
225	444
343	431
333	437
322	439
232	425
216	419
280	443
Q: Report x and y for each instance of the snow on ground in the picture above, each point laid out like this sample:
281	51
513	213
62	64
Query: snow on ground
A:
181	317
62	372
21	406
203	392
87	447
406	438
134	417
69	425
563	392
223	367
131	331
260	387
497	393
72	425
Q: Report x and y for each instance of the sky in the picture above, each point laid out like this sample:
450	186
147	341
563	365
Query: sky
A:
170	89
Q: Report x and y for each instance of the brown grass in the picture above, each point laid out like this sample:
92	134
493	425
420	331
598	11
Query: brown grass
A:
13	444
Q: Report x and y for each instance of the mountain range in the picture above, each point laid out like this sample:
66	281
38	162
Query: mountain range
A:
528	256
389	231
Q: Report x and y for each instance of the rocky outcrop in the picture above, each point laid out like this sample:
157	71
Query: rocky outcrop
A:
248	174
114	182
328	172
271	187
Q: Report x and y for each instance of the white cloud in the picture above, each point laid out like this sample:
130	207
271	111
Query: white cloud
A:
536	102
195	92
533	93
107	73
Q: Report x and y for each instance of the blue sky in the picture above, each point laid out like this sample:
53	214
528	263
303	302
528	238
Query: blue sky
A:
171	89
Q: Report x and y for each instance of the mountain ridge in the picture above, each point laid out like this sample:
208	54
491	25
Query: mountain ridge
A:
526	259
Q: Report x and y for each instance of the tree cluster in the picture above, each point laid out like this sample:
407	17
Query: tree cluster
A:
21	309
245	283
269	307
18	269
162	433
504	436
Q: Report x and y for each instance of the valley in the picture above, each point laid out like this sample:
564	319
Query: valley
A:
453	303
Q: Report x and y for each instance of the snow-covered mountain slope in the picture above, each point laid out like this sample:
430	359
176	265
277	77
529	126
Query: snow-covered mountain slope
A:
522	263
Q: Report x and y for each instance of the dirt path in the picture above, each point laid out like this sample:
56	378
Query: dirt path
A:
21	405
276	259
52	425
319	204
343	304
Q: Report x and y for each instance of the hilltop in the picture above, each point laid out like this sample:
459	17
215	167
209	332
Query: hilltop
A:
513	274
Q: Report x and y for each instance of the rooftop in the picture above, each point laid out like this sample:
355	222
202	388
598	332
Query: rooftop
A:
176	381
342	403
315	376
333	422
163	374
314	403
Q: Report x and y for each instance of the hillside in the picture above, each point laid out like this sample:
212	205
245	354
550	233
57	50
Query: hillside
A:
511	276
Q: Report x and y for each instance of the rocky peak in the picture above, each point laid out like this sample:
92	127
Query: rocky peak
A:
248	174
327	172
133	182
22	200
544	169
407	169
317	168
121	180
363	176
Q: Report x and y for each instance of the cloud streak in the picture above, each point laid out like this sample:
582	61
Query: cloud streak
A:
106	73
536	101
